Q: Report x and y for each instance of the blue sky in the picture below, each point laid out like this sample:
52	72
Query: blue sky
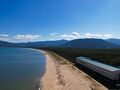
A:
38	20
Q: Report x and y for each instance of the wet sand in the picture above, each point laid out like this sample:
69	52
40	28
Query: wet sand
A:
64	76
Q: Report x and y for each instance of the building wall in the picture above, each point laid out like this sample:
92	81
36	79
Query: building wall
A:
109	74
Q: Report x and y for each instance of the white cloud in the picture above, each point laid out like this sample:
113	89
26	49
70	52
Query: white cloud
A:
67	37
27	37
102	36
74	35
89	35
4	39
108	35
4	35
52	34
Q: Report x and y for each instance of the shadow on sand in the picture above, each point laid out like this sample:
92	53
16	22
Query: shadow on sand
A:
111	85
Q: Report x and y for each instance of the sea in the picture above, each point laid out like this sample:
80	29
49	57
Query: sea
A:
21	68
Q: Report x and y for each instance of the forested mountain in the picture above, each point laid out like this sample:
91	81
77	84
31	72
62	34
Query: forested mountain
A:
35	44
56	43
90	43
77	43
4	43
114	40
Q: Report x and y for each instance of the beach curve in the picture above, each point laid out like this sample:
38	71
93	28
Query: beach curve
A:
63	76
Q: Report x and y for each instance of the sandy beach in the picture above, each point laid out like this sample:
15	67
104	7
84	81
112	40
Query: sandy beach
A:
63	76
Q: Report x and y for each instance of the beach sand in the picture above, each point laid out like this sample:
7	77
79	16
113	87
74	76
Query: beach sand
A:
64	76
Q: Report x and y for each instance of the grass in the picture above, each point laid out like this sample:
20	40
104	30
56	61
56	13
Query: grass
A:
60	59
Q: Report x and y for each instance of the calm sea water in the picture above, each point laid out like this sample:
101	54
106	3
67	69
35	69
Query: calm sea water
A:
20	68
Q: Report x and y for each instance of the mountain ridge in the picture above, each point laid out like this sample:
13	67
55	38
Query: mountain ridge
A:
114	40
76	43
90	43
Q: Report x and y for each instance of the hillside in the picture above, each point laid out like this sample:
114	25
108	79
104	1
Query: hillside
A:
4	43
114	40
77	43
107	56
90	43
35	44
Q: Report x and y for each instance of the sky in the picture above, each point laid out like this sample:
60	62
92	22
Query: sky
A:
40	20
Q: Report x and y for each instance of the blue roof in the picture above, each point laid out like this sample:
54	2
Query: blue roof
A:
101	65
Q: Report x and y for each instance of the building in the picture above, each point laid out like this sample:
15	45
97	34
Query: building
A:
110	72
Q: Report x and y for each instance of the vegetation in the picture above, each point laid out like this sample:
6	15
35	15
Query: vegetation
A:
58	58
107	56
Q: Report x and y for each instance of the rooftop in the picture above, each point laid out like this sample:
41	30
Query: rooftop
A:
101	65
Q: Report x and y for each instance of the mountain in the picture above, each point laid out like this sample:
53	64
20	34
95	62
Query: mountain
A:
77	43
35	44
4	43
114	40
90	43
51	43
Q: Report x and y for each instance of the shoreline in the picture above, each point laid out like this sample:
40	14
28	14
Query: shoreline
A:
61	75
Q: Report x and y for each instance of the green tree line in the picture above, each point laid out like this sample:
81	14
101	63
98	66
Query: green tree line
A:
107	56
